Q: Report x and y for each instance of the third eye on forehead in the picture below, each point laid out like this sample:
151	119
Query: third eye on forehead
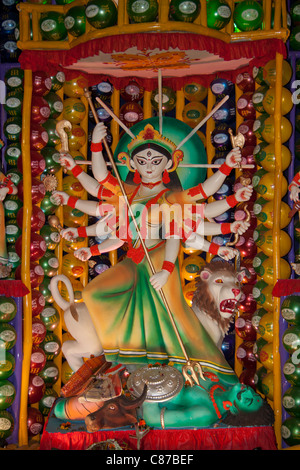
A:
155	159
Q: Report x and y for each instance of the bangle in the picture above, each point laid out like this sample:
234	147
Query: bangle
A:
95	250
109	179
213	248
293	183
72	201
168	266
197	190
232	200
226	228
225	169
296	178
96	146
76	170
106	179
82	232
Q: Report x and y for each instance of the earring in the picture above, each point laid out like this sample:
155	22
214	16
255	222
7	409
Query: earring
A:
166	177
137	177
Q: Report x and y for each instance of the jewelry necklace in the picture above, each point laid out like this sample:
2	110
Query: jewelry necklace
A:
151	185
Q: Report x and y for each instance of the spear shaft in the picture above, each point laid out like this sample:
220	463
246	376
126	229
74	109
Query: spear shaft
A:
190	364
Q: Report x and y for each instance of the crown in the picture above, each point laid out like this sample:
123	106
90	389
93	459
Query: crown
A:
150	135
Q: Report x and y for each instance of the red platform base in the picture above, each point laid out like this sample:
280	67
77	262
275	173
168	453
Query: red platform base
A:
217	438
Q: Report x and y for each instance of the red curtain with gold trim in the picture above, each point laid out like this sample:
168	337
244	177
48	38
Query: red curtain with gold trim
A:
259	52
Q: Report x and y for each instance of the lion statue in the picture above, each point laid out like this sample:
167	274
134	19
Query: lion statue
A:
218	290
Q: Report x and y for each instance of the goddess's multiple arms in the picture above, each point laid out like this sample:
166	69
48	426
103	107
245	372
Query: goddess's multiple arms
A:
213	183
195	240
216	208
100	229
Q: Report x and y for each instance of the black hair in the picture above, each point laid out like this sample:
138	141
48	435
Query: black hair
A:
262	417
154	146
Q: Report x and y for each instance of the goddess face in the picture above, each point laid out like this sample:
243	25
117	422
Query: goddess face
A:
150	164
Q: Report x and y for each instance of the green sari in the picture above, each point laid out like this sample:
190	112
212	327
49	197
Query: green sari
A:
133	324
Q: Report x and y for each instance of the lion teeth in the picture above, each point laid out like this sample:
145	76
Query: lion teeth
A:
228	305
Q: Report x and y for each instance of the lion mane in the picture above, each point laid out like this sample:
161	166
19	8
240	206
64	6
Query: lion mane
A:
203	299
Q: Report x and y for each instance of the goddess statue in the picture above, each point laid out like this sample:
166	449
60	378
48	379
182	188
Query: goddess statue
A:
124	301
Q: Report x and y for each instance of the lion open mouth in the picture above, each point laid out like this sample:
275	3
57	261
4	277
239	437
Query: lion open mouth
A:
228	305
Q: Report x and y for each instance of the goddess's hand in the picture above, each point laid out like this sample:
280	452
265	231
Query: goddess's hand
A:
60	198
234	157
294	192
99	133
239	227
227	253
67	161
83	254
69	233
159	279
244	193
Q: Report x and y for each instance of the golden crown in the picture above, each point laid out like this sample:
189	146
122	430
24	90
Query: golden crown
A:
151	135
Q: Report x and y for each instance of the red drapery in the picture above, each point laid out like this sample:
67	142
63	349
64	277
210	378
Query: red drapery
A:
241	438
259	52
284	287
13	288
